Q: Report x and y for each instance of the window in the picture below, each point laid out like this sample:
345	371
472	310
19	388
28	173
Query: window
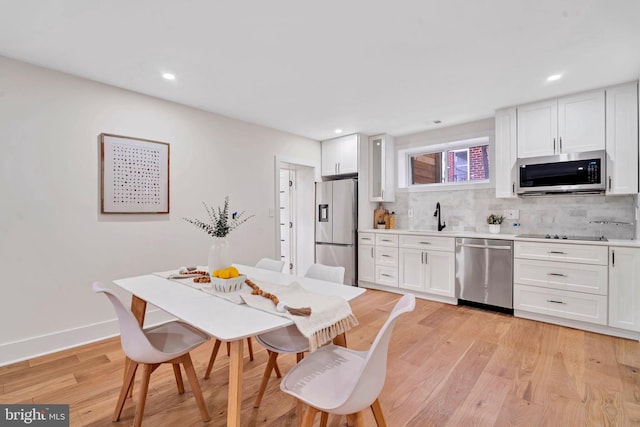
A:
454	162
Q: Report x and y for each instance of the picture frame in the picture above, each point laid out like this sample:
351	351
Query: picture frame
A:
135	175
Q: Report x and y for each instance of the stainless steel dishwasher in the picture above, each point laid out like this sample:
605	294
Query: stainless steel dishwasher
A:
484	273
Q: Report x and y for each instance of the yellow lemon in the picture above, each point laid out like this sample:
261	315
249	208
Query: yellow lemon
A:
216	273
224	274
233	272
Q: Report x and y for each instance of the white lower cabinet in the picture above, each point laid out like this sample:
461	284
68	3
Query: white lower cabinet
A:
431	272
562	280
366	263
564	304
624	288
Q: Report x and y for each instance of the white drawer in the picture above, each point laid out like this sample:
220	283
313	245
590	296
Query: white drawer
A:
386	255
435	243
387	275
564	304
584	254
561	275
387	240
366	239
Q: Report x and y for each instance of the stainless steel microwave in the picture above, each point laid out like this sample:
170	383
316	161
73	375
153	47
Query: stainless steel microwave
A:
562	174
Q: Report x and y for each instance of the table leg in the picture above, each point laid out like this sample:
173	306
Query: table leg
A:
235	384
340	340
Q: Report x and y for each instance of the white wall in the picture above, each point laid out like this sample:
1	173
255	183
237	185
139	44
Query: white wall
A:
54	241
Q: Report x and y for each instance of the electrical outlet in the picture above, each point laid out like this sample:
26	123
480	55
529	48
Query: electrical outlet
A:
511	213
410	213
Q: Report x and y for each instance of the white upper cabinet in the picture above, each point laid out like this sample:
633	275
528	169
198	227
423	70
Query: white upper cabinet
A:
506	156
381	176
570	124
340	156
622	139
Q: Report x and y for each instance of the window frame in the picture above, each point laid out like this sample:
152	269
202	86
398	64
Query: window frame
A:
404	164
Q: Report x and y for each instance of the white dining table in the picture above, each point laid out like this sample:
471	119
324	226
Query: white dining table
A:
221	318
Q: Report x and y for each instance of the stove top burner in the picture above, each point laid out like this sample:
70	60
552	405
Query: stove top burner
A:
563	237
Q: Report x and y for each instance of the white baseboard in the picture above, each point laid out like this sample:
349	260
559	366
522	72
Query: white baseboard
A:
18	351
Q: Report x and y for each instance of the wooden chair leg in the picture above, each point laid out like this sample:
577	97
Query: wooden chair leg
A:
356	420
377	414
127	382
142	399
324	418
178	375
276	367
195	386
299	357
250	348
309	415
212	359
265	377
228	349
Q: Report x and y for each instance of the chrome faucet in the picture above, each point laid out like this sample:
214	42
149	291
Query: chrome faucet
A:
442	225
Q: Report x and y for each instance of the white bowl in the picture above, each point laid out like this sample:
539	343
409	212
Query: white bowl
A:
228	285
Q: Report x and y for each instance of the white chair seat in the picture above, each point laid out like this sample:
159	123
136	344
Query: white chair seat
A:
334	371
175	337
284	340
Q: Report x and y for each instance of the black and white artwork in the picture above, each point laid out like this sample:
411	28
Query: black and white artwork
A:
135	175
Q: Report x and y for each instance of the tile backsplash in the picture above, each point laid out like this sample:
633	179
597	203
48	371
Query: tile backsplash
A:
467	210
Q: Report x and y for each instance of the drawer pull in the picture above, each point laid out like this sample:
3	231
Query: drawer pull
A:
557	274
386	275
425	243
386	240
555	302
386	256
557	252
365	238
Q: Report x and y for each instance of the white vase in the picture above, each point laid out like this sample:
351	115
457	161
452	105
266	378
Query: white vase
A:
219	254
494	228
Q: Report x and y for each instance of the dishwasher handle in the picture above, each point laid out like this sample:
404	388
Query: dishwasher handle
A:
471	245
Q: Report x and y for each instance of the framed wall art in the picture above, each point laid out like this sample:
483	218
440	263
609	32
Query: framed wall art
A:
135	175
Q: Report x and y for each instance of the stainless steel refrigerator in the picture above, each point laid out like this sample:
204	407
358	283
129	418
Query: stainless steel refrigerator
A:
336	224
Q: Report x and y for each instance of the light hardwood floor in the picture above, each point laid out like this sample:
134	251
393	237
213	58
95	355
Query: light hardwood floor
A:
447	366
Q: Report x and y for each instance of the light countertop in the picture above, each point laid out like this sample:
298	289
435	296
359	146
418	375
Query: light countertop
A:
472	234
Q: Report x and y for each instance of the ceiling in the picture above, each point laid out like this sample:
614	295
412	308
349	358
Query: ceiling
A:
310	67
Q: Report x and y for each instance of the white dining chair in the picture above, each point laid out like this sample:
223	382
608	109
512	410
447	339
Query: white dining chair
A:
326	272
167	343
271	264
289	340
341	381
265	264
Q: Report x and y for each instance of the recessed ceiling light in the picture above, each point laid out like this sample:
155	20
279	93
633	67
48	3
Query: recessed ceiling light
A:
337	130
169	76
554	77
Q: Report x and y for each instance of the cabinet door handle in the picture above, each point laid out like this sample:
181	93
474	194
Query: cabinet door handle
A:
555	302
609	183
421	257
613	258
372	252
557	252
561	144
382	193
426	258
554	145
513	188
557	274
